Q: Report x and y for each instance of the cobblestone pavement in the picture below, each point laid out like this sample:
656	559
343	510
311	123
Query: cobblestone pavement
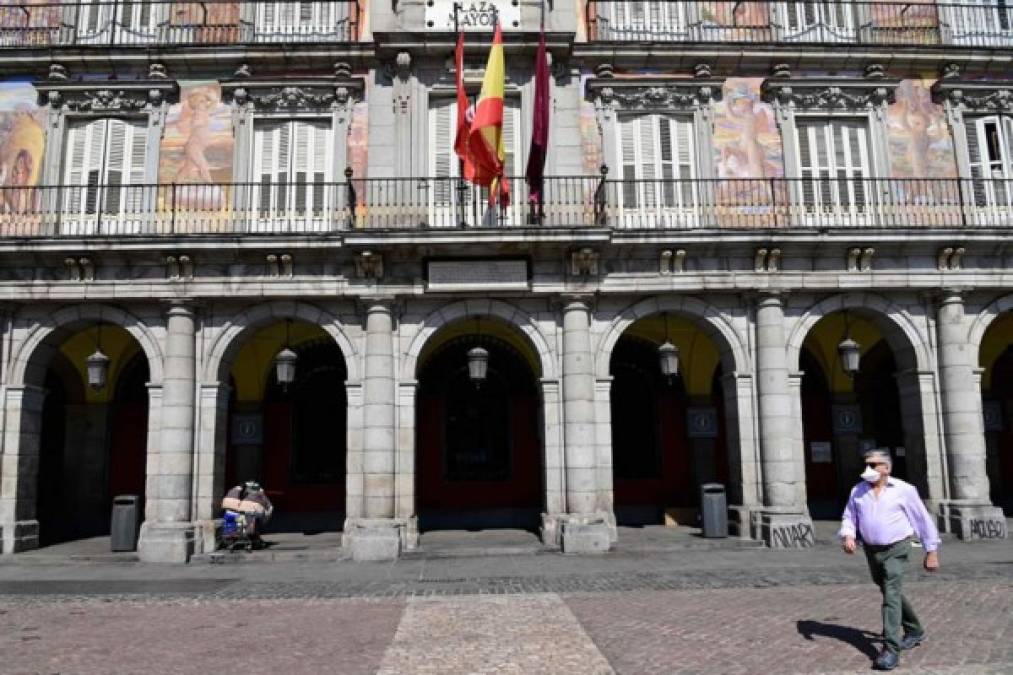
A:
732	612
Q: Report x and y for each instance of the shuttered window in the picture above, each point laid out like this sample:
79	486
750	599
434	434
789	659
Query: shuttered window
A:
292	165
122	23
834	162
657	159
104	157
635	19
818	21
279	20
990	155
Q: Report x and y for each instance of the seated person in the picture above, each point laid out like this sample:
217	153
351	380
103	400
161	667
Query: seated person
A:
250	500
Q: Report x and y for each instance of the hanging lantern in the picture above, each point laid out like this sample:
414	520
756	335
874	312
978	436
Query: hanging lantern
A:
850	355
98	369
478	364
668	359
284	366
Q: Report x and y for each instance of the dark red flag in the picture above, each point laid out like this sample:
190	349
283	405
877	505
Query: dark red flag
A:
535	172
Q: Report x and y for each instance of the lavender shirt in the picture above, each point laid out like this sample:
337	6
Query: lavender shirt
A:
896	514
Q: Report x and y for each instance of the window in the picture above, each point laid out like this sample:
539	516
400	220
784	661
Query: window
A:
657	159
292	167
990	155
102	158
983	23
833	162
280	21
104	21
818	21
637	19
448	206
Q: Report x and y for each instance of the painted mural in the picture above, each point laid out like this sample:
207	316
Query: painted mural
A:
358	146
920	143
197	147
22	144
29	22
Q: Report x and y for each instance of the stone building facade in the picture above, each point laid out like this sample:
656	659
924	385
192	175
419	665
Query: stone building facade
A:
190	188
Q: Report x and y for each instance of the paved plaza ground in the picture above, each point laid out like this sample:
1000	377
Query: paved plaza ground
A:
644	608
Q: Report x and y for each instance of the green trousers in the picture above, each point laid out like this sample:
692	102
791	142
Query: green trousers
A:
887	564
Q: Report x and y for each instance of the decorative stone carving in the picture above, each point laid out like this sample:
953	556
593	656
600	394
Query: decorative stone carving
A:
604	71
157	71
584	262
655	93
309	93
58	72
865	262
980	96
829	93
369	265
286	262
134	96
87	269
672	262
73	269
342	70
949	258
243	70
767	260
853	254
179	268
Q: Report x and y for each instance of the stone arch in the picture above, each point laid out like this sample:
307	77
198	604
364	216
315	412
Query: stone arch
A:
907	342
984	319
471	308
734	355
29	361
229	340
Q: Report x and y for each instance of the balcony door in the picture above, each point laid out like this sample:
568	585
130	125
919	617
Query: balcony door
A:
642	20
452	202
834	165
121	23
294	189
980	23
990	155
818	21
296	21
104	177
656	153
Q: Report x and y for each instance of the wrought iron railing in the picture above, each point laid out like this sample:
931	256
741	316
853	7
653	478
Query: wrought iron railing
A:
988	23
569	202
119	23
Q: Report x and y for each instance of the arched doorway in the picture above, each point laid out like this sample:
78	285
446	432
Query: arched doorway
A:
93	441
291	437
479	461
843	415
996	358
668	435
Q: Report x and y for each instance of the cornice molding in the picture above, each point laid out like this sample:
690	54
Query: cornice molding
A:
105	96
975	95
829	93
294	94
654	93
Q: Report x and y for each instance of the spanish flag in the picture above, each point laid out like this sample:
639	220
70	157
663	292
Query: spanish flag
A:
485	141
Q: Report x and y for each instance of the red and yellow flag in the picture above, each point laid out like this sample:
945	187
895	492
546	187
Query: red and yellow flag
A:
485	140
463	113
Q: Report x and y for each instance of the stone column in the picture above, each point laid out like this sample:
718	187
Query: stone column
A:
377	535
209	478
969	511
19	470
170	537
785	522
584	530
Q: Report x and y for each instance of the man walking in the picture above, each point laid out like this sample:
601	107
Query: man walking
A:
885	512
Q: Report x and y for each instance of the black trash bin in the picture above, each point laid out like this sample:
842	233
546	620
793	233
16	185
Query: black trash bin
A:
713	510
125	523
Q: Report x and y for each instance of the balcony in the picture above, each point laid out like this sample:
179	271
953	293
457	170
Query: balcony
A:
404	204
159	23
988	23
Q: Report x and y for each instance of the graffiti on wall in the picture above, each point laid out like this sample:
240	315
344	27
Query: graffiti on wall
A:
22	144
920	143
197	145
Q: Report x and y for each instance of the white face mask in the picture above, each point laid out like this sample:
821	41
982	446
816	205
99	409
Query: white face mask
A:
870	474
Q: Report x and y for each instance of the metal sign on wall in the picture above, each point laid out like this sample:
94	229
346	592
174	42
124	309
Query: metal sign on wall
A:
472	15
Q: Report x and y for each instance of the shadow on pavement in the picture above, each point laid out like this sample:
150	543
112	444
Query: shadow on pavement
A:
861	640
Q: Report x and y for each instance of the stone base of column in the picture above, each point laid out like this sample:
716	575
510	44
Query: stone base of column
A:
971	522
165	542
378	539
787	530
205	537
21	535
740	522
580	533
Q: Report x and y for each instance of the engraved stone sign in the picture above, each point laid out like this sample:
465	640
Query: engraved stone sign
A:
473	15
484	275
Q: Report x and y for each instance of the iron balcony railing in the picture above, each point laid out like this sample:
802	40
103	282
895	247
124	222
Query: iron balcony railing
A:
988	23
122	23
433	203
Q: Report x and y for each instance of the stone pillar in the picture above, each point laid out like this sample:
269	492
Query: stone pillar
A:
555	483
969	511
585	530
743	455
785	522
377	534
19	467
169	537
209	479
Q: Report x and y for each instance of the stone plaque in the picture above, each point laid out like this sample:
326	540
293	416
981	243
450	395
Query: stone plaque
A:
847	419
477	275
702	422
473	15
247	429
820	452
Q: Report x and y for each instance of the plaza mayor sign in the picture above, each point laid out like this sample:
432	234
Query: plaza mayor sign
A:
472	15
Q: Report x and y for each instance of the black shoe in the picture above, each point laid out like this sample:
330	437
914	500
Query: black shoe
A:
886	660
911	640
